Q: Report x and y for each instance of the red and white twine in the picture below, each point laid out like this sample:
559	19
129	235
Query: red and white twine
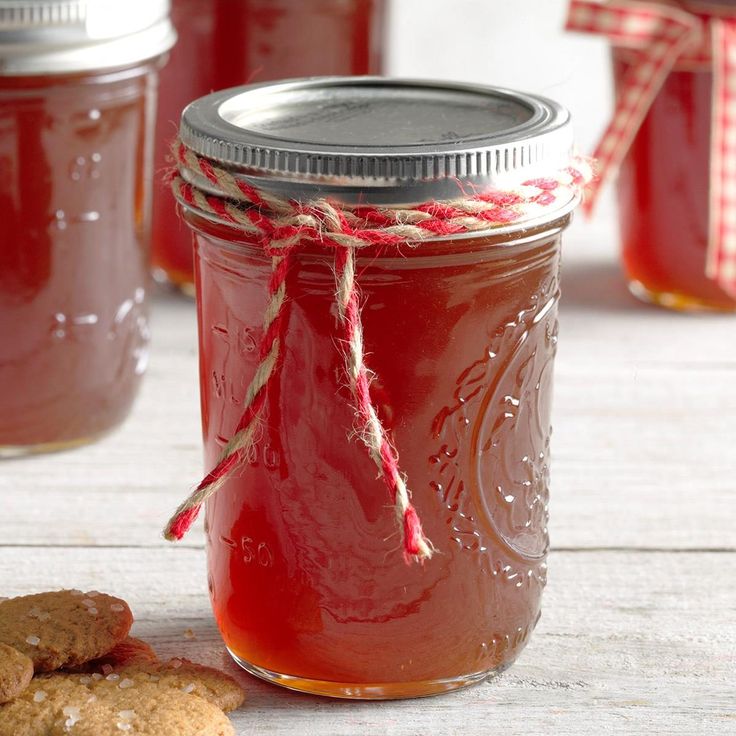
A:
282	226
660	37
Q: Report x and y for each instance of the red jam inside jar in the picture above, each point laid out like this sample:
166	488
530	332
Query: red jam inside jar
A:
308	583
224	43
305	566
75	168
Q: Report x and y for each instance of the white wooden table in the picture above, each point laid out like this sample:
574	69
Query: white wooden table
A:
638	633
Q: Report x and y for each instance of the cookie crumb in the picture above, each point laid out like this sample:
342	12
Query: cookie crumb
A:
189	634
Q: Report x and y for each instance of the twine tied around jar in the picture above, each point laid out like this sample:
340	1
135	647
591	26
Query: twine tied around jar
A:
662	36
282	227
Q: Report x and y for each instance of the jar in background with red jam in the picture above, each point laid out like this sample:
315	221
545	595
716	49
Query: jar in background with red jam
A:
224	43
665	181
78	90
307	580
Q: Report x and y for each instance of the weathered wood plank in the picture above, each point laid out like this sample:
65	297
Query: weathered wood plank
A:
629	642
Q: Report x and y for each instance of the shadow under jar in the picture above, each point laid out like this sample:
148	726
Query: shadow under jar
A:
306	575
77	100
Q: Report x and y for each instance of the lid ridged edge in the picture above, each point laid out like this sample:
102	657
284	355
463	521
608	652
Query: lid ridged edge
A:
489	163
533	147
21	15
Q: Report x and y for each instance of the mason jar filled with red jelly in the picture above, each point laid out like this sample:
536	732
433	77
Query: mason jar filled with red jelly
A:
77	104
377	286
223	43
676	252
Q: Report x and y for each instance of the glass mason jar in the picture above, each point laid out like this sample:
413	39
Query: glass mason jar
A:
664	185
223	43
77	100
306	577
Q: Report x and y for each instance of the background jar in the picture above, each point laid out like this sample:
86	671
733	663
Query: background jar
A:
664	184
222	44
78	88
305	570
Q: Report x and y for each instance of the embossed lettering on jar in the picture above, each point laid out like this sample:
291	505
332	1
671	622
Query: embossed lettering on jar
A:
306	573
76	106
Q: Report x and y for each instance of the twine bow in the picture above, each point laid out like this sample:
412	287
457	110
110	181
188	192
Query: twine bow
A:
281	226
660	36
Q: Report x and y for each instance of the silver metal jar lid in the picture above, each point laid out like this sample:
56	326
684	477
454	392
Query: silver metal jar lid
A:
66	36
382	140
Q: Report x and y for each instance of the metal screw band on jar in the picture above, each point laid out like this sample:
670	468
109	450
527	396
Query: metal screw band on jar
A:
350	138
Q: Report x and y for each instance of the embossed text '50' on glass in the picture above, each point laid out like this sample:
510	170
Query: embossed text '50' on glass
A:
305	569
77	98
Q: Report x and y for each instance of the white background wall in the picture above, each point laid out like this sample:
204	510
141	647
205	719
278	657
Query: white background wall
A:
512	43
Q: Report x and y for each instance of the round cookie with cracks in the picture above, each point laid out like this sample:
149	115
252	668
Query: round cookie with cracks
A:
65	627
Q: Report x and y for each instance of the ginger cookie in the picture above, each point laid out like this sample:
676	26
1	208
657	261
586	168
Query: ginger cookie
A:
129	651
59	704
213	685
16	671
65	627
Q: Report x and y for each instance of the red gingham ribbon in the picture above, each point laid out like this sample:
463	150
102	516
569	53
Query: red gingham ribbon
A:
659	37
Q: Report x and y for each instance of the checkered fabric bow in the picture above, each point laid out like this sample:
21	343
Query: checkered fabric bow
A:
659	36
